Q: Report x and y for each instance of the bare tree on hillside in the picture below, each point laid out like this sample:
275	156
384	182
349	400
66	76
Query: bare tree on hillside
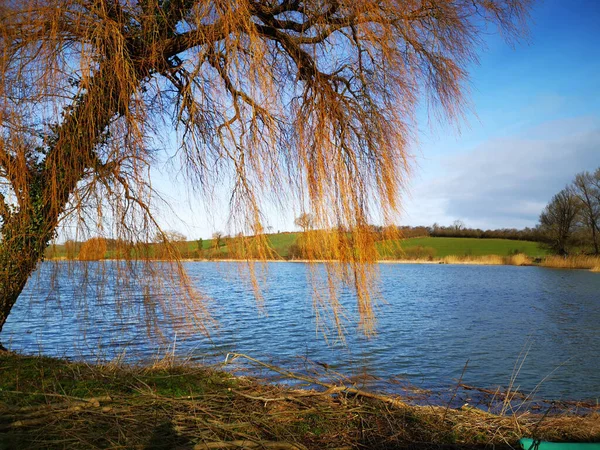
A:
217	238
304	221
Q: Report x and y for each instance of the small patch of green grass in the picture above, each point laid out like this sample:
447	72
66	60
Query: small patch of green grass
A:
28	380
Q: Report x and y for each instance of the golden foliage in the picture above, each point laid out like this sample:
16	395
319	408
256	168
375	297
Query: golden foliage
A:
93	249
304	103
519	260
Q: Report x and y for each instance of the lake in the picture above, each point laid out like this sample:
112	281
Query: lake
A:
434	318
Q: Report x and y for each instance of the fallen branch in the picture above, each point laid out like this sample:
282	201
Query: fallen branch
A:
28	416
79	399
249	444
331	388
496	393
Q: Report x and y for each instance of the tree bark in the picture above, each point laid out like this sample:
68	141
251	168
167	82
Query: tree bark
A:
19	255
27	233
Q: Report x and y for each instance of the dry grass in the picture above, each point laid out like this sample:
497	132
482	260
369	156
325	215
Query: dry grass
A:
518	260
573	262
488	260
46	403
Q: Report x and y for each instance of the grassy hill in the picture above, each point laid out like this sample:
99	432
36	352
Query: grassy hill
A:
435	247
279	242
442	246
475	247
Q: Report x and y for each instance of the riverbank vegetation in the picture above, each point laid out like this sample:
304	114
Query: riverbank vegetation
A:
566	237
287	247
573	262
50	403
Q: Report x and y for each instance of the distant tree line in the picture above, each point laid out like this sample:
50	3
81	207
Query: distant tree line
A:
459	230
456	230
570	223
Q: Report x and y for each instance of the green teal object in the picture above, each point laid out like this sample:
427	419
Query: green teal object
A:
535	444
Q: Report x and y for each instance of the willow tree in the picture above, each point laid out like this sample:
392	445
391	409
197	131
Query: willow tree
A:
308	100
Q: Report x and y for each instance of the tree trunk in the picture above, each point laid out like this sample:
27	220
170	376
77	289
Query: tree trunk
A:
27	233
20	252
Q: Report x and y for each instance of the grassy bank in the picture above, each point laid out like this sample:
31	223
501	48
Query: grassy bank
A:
49	403
423	249
591	263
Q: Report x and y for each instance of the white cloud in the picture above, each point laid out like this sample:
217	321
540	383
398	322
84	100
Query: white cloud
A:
506	182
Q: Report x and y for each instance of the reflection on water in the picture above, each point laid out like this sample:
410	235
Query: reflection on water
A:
434	319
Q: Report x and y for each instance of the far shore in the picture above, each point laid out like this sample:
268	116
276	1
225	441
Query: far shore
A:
575	262
303	261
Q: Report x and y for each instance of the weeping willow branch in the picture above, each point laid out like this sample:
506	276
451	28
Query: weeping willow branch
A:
305	103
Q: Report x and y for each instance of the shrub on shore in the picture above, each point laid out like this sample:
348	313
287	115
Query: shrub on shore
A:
519	260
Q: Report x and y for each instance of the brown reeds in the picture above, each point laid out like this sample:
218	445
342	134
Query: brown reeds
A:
48	403
488	260
572	262
519	260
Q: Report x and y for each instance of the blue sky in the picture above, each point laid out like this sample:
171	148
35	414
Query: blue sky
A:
534	123
537	124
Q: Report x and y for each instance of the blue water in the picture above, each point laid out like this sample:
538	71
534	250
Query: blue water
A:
433	319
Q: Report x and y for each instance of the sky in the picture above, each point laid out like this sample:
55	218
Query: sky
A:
536	123
533	124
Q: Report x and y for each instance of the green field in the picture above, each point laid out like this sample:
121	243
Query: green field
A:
279	242
438	247
442	246
475	247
